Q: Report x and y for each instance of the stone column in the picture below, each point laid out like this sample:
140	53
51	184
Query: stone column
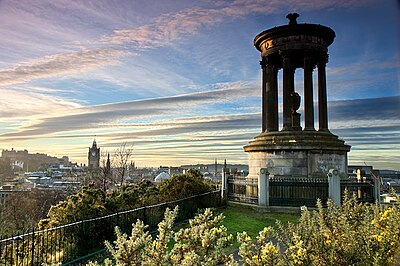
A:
264	95
271	93
322	98
308	94
288	79
224	184
263	187
275	111
377	190
334	186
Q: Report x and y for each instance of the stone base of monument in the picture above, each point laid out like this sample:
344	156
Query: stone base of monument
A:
297	153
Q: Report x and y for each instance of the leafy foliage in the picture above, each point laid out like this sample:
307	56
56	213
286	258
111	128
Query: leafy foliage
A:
353	234
201	243
94	202
24	209
182	185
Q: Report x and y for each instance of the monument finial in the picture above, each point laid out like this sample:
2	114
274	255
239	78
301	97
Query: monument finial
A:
292	17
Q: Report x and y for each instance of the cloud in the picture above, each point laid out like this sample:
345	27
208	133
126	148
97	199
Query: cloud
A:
167	116
23	104
380	109
102	116
61	64
172	27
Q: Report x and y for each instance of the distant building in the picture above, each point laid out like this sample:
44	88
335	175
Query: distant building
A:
365	171
161	176
94	156
23	160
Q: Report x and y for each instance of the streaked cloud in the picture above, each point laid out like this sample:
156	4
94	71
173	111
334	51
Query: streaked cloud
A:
386	108
99	116
16	104
61	65
172	27
343	114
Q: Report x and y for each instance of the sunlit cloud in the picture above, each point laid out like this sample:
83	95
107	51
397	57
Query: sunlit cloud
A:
60	65
172	27
99	116
25	104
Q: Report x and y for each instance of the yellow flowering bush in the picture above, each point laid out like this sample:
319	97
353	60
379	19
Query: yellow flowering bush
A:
261	251
202	243
353	234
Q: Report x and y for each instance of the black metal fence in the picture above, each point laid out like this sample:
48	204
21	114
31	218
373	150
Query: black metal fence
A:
364	190
296	191
72	243
300	191
243	189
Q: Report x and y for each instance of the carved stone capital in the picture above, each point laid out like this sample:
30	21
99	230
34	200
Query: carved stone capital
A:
285	54
263	63
322	59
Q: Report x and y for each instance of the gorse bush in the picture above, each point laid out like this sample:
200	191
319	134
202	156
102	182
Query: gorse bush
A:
202	243
183	185
353	234
93	202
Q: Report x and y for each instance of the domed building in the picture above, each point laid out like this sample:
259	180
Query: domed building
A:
161	176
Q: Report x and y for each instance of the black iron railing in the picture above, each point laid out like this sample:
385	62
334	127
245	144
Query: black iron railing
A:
364	190
296	191
72	243
243	189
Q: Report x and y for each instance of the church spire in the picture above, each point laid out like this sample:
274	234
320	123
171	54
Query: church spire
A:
108	166
94	145
215	168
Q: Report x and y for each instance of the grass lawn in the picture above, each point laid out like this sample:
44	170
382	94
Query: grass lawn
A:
239	219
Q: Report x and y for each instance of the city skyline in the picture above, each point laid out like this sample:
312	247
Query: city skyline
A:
180	80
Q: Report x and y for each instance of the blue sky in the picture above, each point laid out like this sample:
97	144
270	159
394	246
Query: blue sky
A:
180	80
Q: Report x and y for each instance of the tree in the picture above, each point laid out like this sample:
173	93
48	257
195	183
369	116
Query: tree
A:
88	203
102	178
6	170
122	157
182	185
24	209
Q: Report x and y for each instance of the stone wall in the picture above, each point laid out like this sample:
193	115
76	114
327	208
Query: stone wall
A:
310	163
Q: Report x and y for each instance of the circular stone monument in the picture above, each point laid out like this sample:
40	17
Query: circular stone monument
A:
293	149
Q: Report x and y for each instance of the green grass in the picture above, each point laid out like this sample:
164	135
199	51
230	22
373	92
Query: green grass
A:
239	219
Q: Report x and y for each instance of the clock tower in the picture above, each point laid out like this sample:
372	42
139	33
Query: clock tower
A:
94	156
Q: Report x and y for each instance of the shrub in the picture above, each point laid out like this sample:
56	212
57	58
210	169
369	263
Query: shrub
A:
92	202
201	243
354	234
86	204
183	185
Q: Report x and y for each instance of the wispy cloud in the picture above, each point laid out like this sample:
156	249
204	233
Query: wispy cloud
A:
26	104
100	116
60	65
386	108
172	27
168	119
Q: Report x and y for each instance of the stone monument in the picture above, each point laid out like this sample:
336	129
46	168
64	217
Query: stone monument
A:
293	150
